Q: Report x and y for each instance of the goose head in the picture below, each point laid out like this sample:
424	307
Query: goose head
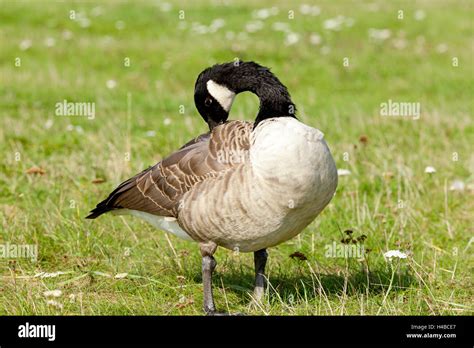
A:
217	86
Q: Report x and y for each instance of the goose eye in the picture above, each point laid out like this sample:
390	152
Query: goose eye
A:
208	101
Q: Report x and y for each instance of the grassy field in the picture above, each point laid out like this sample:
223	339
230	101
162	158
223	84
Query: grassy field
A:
54	169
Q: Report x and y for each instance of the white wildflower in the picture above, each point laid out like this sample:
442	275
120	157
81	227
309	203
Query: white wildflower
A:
254	26
291	39
325	50
107	40
150	133
395	253
430	170
280	26
343	172
49	42
310	10
48	124
96	11
457	185
111	84
102	274
199	28
165	7
265	13
373	7
167	121
84	22
25	44
442	48
399	43
315	39
333	23
262	13
53	293
66	35
420	15
274	10
242	36
55	304
379	34
216	24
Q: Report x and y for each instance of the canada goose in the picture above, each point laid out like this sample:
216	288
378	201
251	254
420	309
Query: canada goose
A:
243	186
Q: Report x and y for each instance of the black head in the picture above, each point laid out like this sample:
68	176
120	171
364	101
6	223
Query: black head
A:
212	97
216	87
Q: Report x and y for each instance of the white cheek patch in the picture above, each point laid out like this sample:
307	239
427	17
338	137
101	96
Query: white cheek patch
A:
223	95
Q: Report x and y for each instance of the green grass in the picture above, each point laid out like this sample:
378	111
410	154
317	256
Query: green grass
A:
387	197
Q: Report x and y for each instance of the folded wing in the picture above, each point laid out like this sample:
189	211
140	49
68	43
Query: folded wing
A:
158	189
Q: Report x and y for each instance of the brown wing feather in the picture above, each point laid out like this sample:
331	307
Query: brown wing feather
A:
158	189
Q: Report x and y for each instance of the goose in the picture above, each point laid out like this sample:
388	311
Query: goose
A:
243	186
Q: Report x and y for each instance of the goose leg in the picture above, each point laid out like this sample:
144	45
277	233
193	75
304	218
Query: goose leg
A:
208	266
260	260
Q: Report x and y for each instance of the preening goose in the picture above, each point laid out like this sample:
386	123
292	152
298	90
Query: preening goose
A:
243	186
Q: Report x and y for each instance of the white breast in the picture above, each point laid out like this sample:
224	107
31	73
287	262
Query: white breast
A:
291	152
296	175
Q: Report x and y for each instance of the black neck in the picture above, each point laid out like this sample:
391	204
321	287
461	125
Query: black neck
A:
275	101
